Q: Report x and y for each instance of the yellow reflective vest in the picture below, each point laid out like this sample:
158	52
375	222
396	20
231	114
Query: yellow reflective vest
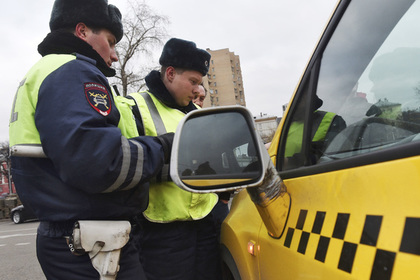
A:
168	202
24	131
127	124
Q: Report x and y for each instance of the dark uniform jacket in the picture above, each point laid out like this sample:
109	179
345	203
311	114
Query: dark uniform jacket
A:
92	171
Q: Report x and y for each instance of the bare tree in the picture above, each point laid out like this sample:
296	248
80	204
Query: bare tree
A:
143	31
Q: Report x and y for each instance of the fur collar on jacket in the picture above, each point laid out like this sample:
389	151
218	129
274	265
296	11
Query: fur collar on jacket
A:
63	42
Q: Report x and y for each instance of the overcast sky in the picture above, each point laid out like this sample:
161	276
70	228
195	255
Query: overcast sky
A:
274	40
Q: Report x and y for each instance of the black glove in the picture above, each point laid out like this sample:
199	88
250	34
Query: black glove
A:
166	141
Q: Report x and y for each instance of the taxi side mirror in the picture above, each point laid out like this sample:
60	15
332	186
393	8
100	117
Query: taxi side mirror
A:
217	150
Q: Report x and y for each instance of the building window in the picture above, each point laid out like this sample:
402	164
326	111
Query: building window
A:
215	84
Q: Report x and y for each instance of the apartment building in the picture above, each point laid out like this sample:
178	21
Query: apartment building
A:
224	80
266	126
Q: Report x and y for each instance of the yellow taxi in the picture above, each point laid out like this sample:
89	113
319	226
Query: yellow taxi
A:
347	151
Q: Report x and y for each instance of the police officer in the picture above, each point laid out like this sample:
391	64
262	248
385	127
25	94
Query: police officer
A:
221	210
199	99
325	126
178	238
91	171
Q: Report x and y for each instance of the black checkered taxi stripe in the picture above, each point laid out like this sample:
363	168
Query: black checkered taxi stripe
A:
384	259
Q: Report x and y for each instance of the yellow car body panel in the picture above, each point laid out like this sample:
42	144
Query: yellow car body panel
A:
240	227
350	193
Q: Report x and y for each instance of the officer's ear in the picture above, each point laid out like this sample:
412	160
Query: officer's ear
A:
170	73
81	31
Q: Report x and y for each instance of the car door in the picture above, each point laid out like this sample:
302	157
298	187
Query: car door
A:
348	151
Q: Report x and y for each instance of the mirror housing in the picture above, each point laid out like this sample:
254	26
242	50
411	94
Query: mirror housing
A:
217	150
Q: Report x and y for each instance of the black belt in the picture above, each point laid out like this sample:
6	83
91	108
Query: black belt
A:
64	229
56	229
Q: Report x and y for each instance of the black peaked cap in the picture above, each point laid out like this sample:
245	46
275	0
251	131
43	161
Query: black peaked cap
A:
185	54
94	13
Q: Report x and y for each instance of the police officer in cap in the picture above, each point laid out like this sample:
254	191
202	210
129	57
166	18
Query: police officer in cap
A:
178	239
91	171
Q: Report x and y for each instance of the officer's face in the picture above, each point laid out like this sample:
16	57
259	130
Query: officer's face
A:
199	99
184	87
103	42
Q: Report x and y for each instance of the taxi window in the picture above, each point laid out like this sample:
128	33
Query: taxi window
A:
367	96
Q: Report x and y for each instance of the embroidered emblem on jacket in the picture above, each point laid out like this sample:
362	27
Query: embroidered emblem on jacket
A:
98	98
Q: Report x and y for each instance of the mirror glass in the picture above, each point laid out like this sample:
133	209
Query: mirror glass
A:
218	149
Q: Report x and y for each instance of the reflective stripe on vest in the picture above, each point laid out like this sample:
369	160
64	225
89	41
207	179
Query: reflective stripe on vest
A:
154	113
168	202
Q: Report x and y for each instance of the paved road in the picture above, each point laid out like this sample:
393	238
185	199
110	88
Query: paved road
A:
17	251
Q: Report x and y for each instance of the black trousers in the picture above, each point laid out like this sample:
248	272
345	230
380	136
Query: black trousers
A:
58	263
220	212
187	250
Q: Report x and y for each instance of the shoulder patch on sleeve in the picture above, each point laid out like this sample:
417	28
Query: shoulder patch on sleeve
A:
98	97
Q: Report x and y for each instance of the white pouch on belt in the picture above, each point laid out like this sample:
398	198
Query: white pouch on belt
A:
103	241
